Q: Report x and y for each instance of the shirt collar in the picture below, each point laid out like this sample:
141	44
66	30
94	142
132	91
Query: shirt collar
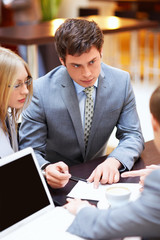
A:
79	88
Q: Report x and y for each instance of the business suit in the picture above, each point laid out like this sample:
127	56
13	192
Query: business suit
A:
52	122
139	218
8	146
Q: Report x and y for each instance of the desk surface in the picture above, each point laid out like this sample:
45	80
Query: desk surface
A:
43	33
149	156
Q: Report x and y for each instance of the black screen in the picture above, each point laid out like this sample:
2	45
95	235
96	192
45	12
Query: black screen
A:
21	191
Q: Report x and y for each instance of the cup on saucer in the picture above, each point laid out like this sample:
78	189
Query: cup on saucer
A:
117	195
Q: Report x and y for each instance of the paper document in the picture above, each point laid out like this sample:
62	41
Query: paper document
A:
87	191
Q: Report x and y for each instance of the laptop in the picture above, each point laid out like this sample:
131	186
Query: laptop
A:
27	210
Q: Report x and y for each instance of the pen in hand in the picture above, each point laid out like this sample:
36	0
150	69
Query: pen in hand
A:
76	179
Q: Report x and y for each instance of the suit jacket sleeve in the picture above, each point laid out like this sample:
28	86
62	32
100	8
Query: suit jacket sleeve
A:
131	142
139	218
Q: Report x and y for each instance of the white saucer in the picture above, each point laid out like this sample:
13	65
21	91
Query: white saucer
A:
104	204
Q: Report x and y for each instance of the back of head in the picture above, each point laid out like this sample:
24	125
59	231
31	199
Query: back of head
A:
155	104
77	36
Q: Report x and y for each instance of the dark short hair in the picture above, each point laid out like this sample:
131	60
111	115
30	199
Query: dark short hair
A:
155	104
77	36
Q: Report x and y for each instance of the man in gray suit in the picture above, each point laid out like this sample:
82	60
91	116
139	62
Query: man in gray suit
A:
54	123
139	218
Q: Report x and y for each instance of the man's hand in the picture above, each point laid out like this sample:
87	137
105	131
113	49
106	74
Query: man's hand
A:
74	205
142	173
57	174
106	172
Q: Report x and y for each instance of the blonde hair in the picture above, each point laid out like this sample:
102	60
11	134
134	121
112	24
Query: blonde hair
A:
9	65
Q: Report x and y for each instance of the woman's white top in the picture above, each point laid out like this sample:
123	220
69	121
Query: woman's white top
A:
8	146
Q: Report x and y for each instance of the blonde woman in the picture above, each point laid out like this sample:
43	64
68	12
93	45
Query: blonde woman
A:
15	94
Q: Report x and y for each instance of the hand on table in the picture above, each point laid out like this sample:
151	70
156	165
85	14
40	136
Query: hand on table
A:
106	172
142	173
57	174
74	205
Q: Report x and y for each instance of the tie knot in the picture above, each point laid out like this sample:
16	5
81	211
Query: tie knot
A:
89	91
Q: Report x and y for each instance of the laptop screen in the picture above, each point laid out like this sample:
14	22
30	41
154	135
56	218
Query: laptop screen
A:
21	191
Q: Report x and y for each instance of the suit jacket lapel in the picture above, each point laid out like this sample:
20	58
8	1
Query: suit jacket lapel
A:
13	134
70	99
14	139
